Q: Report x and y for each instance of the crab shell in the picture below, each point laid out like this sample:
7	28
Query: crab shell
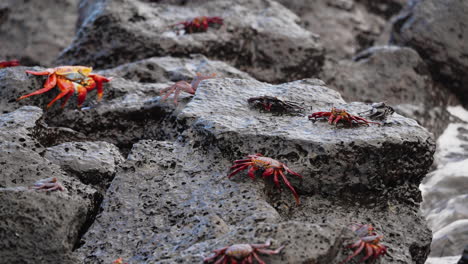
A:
239	251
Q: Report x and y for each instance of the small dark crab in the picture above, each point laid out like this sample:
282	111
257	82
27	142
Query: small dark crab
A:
337	115
274	105
379	111
198	24
368	241
48	185
242	253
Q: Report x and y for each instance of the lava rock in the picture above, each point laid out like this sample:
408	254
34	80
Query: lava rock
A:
464	258
345	27
260	37
435	30
35	32
93	162
38	226
396	76
336	161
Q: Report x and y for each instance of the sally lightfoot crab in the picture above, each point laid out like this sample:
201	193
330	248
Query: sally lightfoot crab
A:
274	105
12	63
368	241
198	24
183	86
269	167
337	115
242	253
70	80
48	185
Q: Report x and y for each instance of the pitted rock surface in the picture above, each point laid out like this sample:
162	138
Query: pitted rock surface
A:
345	27
163	69
41	227
397	76
437	31
35	32
94	162
333	160
171	203
260	37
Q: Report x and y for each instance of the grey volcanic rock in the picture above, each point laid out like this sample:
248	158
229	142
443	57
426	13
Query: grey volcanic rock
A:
396	76
36	31
163	69
260	37
334	160
39	227
345	27
435	29
94	162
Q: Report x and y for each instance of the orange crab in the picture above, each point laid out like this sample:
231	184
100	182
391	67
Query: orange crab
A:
12	63
70	80
180	86
269	167
199	24
368	241
336	115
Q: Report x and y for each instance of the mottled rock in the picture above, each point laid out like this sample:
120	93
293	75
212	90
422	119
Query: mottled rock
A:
450	240
93	162
37	226
35	32
396	76
163	69
334	160
436	30
260	37
345	27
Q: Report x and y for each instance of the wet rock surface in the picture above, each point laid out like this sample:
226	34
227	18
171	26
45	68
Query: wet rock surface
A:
260	37
37	226
397	76
436	30
322	151
35	32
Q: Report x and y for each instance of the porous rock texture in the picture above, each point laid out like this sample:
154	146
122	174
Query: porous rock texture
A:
397	76
35	32
171	202
345	27
437	31
260	37
130	109
36	227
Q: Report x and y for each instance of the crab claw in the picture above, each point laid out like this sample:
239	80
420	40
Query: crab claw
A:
99	79
11	63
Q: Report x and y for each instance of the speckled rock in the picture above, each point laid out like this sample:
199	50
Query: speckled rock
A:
345	27
41	227
93	162
436	30
171	203
260	37
396	76
163	69
36	31
333	160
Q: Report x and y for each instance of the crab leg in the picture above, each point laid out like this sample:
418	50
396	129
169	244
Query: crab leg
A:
269	251
240	165
369	252
65	87
176	96
222	260
99	79
290	187
239	169
337	120
49	84
260	261
292	172
275	179
355	253
251	172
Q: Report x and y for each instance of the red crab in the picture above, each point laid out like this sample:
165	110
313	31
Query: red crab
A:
70	80
368	240
199	24
269	167
48	184
180	86
337	115
242	253
12	63
118	261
